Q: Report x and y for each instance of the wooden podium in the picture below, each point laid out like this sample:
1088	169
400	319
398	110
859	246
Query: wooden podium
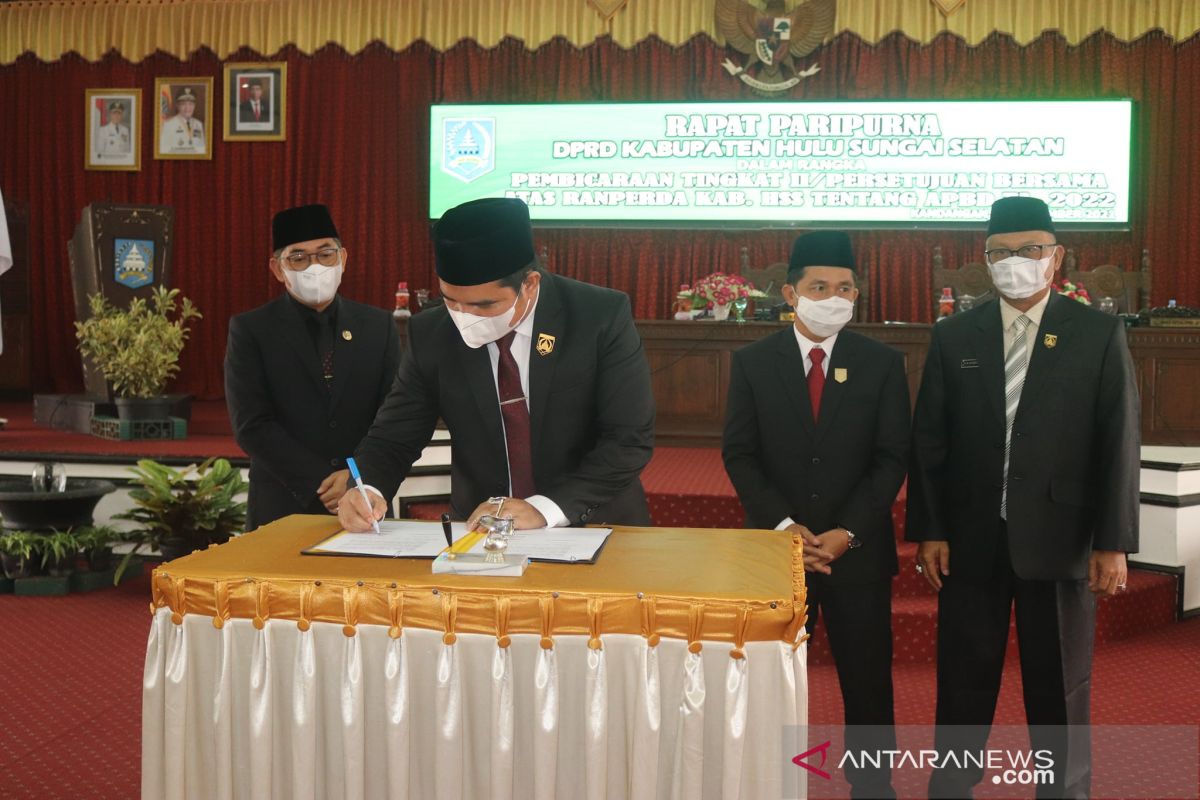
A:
120	251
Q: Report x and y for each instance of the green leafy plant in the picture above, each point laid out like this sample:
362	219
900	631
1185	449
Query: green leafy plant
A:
95	542
185	509
21	544
137	348
59	550
19	549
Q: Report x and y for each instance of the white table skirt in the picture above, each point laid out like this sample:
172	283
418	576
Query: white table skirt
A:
239	712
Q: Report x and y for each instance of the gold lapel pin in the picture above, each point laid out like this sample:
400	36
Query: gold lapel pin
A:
347	335
545	344
1050	340
841	374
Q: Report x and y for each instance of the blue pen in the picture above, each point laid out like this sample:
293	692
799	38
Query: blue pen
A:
362	490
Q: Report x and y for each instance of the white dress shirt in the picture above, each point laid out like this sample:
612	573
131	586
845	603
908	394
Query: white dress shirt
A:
806	348
549	509
1009	314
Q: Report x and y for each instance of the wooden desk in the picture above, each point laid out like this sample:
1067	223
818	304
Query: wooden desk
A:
689	366
689	363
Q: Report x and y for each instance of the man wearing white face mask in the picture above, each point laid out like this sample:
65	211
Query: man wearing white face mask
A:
1024	479
541	381
305	373
816	443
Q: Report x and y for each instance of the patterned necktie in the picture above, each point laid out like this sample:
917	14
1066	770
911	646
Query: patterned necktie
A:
516	420
816	380
1014	379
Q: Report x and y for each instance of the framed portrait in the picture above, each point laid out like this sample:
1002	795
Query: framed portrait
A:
183	112
256	101
112	119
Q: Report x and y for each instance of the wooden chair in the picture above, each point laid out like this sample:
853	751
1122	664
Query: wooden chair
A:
972	279
1130	289
772	277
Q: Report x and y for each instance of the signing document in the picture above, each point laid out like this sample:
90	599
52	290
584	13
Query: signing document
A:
417	539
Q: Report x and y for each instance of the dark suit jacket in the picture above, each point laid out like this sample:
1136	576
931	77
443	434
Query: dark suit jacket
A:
590	406
844	470
1074	464
246	111
295	430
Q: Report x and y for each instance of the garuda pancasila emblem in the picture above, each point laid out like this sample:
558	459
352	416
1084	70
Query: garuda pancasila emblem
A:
773	38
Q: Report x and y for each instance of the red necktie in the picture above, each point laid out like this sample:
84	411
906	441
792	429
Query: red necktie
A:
516	420
256	112
816	380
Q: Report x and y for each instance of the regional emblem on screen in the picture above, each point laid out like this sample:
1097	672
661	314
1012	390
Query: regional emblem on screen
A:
469	148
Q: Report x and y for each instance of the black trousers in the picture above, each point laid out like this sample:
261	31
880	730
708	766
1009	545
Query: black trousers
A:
858	620
1056	623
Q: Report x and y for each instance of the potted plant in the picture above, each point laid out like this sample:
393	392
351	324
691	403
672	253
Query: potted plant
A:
95	542
184	510
138	348
59	551
18	549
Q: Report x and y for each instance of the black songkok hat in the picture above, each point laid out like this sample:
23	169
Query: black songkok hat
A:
301	224
482	241
821	249
1012	214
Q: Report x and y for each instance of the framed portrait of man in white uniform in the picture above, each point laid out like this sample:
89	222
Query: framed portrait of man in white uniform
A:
183	112
114	131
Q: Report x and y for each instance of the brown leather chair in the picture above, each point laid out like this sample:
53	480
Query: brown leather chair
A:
1130	289
972	279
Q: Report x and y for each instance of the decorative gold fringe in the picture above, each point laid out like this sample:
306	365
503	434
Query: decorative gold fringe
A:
135	28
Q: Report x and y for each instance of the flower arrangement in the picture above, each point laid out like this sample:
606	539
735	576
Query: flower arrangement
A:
1076	293
719	289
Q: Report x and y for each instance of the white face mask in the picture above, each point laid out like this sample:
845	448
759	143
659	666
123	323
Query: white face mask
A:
1018	278
314	285
824	317
477	331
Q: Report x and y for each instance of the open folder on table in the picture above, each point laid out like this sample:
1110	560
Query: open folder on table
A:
416	539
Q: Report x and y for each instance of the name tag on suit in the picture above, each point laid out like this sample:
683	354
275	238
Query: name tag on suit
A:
969	363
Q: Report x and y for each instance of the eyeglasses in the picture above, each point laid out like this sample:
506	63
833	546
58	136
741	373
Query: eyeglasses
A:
1033	251
326	257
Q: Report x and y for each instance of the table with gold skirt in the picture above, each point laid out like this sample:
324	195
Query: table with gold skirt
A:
674	666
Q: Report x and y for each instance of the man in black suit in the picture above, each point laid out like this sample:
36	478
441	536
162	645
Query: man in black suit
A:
541	380
305	373
1023	488
816	439
256	107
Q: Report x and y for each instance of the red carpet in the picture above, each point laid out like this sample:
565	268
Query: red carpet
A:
209	434
72	671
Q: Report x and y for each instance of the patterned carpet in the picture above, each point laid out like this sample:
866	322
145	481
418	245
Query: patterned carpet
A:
72	672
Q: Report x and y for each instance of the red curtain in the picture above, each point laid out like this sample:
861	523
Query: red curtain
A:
356	141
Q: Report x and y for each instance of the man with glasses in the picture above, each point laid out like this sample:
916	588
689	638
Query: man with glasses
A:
305	373
1023	491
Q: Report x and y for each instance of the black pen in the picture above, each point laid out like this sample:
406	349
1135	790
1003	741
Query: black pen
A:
446	530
